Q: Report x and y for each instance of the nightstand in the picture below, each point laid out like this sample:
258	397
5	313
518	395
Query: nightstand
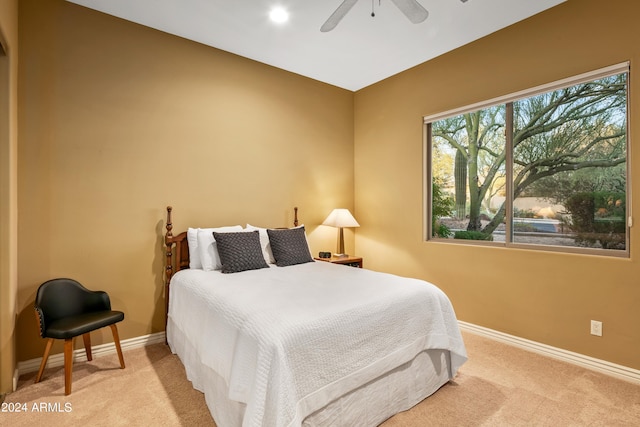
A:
351	261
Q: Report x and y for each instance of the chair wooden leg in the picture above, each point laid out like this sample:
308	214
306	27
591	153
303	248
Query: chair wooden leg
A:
116	340
68	365
47	349
87	345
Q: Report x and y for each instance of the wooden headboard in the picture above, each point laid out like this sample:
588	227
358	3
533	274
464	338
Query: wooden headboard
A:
177	253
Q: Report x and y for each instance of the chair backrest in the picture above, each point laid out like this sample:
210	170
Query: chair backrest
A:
58	298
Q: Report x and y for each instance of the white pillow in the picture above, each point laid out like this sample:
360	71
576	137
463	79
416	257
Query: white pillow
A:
195	253
264	243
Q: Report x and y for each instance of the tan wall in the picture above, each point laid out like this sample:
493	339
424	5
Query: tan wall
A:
8	189
118	120
542	296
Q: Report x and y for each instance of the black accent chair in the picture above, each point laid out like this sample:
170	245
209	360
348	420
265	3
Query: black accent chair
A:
65	309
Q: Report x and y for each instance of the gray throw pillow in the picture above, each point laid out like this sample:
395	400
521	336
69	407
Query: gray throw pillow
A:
289	246
240	251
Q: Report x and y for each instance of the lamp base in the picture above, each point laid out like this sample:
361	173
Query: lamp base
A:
341	255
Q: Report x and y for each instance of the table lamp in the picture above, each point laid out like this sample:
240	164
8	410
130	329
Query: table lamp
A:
341	218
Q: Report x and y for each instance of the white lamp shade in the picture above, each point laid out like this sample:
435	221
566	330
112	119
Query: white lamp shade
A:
341	218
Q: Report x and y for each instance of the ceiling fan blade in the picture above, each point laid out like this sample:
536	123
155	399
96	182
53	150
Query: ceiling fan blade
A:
337	15
412	10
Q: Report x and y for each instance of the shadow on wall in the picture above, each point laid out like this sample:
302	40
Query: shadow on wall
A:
158	272
29	328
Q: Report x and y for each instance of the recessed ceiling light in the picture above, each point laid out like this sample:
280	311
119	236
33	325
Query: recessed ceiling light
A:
279	15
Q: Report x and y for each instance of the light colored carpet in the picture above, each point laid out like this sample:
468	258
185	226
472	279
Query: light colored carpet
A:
151	391
500	385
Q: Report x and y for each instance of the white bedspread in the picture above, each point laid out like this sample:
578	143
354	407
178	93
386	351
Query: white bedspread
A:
289	340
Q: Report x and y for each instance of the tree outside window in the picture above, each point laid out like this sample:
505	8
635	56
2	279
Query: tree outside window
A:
547	169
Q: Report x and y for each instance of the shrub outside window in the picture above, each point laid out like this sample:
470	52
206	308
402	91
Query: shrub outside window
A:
543	168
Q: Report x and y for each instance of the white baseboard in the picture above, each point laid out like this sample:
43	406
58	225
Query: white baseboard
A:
79	355
602	366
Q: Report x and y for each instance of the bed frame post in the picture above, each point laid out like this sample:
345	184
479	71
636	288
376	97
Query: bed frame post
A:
168	245
168	268
295	216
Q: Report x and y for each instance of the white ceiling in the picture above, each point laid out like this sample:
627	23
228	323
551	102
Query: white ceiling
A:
360	51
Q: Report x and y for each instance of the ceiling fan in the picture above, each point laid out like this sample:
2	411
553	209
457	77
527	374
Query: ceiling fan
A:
411	9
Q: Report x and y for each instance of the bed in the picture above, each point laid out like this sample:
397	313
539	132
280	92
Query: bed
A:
303	343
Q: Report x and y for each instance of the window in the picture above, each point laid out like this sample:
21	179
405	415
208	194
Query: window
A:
545	167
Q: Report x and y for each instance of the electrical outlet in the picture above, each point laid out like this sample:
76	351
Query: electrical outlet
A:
596	328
